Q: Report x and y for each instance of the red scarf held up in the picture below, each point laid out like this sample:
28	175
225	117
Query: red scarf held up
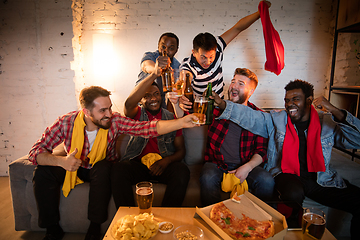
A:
290	152
273	45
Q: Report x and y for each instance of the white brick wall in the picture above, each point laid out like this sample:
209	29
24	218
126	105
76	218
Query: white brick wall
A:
37	84
36	80
347	68
305	28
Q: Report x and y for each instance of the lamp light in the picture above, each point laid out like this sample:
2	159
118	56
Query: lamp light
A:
104	60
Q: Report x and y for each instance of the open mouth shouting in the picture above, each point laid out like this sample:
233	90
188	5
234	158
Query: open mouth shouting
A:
292	112
234	94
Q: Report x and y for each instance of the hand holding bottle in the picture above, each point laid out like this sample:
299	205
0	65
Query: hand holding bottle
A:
166	74
210	107
187	100
219	102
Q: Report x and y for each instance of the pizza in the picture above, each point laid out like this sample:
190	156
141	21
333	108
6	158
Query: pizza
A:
236	198
243	229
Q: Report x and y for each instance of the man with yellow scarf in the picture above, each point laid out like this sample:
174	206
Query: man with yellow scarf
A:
89	136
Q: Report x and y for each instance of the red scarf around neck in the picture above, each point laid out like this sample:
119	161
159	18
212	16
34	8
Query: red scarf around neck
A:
290	152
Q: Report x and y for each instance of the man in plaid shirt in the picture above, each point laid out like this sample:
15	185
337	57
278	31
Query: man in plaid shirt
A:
51	169
232	149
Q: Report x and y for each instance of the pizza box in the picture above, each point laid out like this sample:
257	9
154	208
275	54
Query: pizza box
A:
252	207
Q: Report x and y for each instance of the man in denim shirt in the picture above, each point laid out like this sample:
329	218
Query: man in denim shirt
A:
168	42
338	128
169	170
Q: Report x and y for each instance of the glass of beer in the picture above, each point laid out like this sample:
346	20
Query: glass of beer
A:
144	196
313	224
178	82
178	88
200	106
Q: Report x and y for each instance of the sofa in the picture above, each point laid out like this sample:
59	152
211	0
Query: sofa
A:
24	204
73	209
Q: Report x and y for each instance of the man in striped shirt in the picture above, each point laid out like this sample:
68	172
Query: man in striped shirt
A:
51	169
205	62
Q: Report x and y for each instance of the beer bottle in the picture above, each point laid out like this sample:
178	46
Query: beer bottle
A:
166	76
210	108
188	91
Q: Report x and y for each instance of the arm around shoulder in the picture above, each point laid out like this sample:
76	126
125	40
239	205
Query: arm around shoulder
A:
254	121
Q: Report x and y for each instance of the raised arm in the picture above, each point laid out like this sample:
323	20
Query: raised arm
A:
149	66
323	104
348	126
240	26
131	103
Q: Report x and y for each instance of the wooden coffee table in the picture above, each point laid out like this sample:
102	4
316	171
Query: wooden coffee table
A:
182	216
178	216
296	234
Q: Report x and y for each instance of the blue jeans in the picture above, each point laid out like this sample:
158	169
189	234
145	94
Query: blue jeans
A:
260	182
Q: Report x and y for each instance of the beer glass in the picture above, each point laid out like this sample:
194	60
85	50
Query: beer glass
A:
178	83
200	106
313	224
178	88
144	196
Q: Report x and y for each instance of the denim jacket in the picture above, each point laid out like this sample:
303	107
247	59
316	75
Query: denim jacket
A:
165	142
273	125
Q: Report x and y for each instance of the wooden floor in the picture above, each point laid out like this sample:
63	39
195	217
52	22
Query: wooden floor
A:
7	225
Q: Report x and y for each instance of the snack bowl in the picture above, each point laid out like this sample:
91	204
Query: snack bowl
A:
166	227
188	231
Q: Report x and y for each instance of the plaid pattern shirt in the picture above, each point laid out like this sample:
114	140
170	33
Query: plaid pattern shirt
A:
61	131
250	143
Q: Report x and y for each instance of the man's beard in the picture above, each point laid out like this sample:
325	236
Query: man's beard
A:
241	100
98	123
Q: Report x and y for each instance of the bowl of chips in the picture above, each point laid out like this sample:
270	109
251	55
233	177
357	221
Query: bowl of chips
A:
142	226
188	232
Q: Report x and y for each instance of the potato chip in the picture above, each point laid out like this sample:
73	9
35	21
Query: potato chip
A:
135	227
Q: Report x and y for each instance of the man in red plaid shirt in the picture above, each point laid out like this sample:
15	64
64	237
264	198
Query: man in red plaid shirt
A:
95	117
232	149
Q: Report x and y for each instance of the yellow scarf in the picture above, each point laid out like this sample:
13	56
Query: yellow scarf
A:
97	153
231	183
150	158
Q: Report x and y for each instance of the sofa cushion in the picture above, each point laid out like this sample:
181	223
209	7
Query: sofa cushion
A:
195	144
24	204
